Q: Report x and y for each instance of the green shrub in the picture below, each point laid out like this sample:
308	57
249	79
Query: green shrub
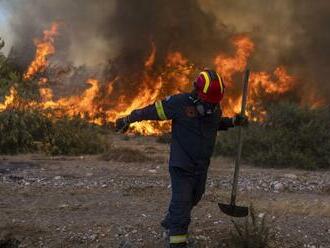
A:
75	136
290	136
24	130
19	130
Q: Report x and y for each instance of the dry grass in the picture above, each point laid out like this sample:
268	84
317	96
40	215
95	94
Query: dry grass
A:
252	232
126	155
299	207
288	204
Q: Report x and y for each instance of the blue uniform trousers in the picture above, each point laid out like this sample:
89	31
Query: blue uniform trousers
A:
187	190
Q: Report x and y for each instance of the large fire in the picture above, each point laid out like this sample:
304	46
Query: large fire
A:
175	78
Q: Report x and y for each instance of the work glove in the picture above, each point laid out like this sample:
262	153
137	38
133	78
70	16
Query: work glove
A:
240	120
122	124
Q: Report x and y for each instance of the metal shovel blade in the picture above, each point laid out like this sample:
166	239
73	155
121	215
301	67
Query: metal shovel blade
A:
234	211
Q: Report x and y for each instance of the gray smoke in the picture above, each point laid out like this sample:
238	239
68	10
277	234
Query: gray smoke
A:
82	38
293	33
286	32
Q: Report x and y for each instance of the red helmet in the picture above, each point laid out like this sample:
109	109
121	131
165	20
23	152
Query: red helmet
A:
209	86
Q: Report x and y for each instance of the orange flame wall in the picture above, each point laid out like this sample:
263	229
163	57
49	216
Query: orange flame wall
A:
174	78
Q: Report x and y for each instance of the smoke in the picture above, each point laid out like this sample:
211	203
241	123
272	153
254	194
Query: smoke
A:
82	38
312	50
94	31
291	33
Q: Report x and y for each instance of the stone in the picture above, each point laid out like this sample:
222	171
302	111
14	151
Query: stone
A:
264	185
278	186
93	237
261	215
290	176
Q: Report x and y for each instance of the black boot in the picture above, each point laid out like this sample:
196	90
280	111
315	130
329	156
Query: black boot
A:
165	223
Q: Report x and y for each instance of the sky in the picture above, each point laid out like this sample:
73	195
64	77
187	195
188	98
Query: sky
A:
4	32
3	15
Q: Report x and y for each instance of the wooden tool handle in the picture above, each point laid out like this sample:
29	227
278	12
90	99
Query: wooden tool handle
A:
240	137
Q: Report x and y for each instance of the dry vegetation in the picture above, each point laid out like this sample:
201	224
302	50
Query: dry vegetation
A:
291	136
253	232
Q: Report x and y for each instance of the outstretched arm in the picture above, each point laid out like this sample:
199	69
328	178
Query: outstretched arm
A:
160	110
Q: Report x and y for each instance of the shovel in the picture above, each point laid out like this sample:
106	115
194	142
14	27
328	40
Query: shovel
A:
232	209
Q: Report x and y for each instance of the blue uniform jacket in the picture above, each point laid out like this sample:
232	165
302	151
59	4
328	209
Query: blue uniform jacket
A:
193	136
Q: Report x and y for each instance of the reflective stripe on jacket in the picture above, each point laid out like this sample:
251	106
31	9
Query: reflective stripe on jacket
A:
193	136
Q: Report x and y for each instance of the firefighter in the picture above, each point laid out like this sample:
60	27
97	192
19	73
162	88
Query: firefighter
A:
196	118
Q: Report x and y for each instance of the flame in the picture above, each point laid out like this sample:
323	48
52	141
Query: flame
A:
82	106
284	81
176	80
9	99
149	92
277	83
77	105
151	59
43	81
175	77
46	94
45	47
230	65
146	95
178	73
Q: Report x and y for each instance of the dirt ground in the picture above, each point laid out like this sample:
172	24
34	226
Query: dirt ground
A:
87	202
